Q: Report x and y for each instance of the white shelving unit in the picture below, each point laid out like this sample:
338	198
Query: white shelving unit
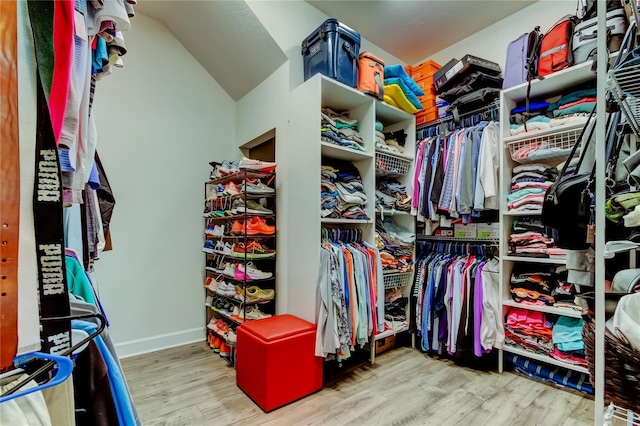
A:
559	138
303	209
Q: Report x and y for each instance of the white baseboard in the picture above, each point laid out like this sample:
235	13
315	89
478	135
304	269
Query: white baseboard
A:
159	342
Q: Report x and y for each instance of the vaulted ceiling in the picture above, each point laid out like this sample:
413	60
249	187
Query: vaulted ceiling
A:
228	39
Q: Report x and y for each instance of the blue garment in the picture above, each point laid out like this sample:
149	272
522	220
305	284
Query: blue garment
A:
534	105
119	390
100	57
94	178
475	154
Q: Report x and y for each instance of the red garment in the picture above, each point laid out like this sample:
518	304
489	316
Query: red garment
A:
63	42
578	102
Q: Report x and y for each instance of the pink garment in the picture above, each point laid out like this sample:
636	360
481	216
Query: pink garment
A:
63	33
523	318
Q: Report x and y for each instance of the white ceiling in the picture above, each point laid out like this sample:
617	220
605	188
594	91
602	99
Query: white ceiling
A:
226	38
229	40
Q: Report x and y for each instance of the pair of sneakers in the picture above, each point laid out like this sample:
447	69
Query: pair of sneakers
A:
239	206
255	186
250	272
227	290
224	248
256	165
214	230
255	226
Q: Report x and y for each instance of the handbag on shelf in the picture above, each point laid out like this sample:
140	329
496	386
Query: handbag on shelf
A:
567	202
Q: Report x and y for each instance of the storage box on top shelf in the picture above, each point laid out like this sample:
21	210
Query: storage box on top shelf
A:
332	50
426	115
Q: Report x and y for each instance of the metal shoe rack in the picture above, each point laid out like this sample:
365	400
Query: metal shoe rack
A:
222	306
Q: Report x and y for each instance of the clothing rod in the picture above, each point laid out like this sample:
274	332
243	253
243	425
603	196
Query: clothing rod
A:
493	105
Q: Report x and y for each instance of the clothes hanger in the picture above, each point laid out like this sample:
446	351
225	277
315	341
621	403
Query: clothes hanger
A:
54	359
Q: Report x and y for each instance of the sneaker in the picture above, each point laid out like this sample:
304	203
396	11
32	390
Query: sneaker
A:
231	338
227	290
209	231
208	247
215	172
225	350
218	231
251	272
231	189
260	295
228	249
256	188
217	343
208	301
258	226
212	284
254	250
253	208
254	313
238	227
230	270
227	168
262	166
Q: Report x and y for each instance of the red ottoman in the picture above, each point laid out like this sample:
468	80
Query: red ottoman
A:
275	361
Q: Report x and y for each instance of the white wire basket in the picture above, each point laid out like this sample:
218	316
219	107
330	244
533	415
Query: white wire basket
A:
397	279
390	165
625	85
545	145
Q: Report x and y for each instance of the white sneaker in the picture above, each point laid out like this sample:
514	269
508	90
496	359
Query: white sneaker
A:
214	284
263	166
254	313
230	270
228	249
209	301
254	273
218	230
219	248
257	188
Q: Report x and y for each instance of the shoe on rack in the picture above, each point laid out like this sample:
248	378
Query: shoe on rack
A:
225	350
218	247
231	338
237	227
253	250
256	187
229	270
228	168
218	231
251	272
230	189
212	283
262	166
258	226
208	301
254	313
215	172
209	231
217	343
259	294
227	249
208	247
253	208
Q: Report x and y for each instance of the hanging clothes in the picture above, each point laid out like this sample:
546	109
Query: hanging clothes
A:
456	175
350	298
455	302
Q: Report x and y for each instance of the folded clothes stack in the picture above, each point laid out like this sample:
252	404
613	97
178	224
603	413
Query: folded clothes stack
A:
530	239
528	186
529	330
571	108
392	195
533	284
340	129
342	193
396	246
567	341
400	90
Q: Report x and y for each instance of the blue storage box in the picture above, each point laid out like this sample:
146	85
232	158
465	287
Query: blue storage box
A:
332	49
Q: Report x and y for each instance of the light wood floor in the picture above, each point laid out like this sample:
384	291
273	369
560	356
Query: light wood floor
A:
190	385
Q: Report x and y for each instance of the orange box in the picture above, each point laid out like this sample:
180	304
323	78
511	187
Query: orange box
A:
426	115
424	70
426	84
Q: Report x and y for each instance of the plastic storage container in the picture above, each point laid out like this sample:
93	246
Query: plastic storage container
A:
332	50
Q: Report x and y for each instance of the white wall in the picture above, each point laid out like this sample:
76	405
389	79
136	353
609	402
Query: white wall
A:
491	42
160	120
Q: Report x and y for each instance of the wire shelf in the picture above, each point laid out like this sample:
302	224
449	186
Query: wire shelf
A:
396	279
390	165
616	412
545	145
625	85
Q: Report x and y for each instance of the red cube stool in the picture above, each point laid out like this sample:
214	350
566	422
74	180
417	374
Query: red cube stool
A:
275	361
